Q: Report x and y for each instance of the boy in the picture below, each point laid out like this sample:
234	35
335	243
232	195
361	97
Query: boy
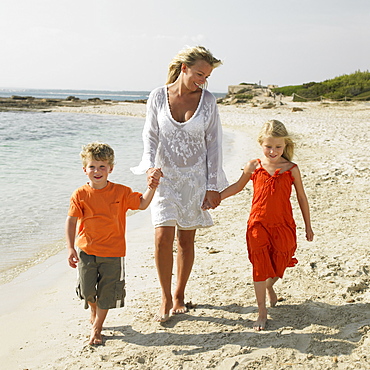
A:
99	209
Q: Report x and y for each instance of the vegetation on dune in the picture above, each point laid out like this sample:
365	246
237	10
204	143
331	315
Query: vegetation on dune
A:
355	86
248	84
243	96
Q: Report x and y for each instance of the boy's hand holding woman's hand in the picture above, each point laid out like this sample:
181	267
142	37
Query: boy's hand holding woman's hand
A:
153	177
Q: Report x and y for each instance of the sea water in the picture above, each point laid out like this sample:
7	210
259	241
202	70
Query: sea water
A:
82	94
41	168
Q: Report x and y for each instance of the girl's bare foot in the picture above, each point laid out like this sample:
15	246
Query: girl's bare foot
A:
272	296
260	324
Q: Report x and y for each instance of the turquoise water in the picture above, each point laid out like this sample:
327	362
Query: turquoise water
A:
41	168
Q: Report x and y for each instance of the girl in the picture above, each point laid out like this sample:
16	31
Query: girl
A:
271	230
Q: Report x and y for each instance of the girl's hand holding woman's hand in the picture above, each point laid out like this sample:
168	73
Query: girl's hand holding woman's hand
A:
206	205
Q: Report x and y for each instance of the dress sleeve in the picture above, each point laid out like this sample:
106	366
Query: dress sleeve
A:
150	137
216	178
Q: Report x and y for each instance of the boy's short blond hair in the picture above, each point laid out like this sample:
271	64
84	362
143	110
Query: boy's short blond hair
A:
98	152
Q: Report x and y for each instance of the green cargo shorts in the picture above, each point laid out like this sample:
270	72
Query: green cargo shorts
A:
101	280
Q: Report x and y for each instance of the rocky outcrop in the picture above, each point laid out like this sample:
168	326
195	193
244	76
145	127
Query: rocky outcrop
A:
254	94
240	89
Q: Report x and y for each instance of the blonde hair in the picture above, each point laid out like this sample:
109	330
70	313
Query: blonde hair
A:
275	128
98	152
189	56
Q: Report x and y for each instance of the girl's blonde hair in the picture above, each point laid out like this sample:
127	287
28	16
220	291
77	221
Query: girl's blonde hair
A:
98	152
189	56
275	128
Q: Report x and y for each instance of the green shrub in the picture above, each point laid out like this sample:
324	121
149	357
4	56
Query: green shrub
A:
244	96
353	86
363	96
287	90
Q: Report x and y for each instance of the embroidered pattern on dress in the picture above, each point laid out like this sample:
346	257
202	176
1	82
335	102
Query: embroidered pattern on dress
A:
188	154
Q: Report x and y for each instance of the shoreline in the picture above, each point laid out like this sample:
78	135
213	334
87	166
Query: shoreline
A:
137	107
46	105
322	320
42	255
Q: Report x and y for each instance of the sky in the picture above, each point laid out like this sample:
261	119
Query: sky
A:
127	45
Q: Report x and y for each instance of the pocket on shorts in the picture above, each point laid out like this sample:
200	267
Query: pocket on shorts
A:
79	295
120	294
78	291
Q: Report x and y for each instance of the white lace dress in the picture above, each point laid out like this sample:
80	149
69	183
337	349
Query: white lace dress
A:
189	155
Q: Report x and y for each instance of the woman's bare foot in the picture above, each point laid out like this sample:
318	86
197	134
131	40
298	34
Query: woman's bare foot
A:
161	318
260	324
164	312
179	307
95	337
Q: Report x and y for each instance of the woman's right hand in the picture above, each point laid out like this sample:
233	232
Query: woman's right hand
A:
211	200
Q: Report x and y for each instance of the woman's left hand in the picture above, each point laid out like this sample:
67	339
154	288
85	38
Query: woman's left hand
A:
153	177
212	199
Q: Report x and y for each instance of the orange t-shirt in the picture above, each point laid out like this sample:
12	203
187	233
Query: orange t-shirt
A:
102	218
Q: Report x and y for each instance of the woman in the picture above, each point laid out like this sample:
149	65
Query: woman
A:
182	136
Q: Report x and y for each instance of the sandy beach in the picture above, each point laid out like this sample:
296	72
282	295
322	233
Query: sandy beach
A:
322	320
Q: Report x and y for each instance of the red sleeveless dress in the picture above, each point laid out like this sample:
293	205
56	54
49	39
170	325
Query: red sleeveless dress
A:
271	231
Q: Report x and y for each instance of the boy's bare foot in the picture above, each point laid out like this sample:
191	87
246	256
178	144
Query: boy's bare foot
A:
92	316
95	337
93	308
260	324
